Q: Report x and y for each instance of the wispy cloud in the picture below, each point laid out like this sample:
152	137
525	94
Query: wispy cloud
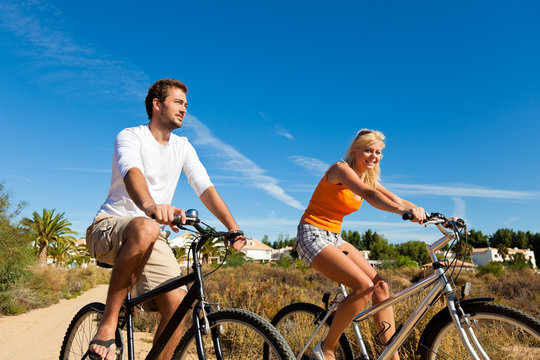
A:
20	178
82	170
233	160
463	191
315	166
459	207
59	60
282	132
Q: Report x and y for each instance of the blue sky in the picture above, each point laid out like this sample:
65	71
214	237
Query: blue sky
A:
277	90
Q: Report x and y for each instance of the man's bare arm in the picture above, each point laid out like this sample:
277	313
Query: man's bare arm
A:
138	191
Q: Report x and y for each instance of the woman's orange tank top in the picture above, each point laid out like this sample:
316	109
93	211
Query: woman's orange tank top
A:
329	204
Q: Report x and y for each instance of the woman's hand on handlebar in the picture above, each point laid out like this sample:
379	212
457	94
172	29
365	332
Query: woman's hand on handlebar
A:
164	214
418	215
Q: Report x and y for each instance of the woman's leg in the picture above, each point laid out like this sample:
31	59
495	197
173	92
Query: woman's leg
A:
380	292
337	266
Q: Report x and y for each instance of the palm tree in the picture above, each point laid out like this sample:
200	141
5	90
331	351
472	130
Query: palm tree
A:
61	249
503	251
212	247
47	229
80	255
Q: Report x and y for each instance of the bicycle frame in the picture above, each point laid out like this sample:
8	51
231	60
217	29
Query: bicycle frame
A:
195	295
440	283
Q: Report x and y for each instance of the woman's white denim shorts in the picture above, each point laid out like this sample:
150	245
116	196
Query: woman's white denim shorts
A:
311	240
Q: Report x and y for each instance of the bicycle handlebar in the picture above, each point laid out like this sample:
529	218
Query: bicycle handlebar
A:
192	219
436	218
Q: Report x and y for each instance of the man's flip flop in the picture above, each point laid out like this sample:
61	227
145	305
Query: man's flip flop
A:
92	355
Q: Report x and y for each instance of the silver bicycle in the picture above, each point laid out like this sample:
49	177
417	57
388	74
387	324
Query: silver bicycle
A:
465	329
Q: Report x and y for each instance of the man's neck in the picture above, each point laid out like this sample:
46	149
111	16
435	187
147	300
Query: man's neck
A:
161	134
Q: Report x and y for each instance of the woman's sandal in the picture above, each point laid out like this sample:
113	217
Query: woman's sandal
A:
94	356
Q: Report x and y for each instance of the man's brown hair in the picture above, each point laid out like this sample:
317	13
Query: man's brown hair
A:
159	90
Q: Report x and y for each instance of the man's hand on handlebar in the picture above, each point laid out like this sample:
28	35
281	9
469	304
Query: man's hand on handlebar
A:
238	243
164	214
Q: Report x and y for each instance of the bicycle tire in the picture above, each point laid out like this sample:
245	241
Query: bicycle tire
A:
503	332
81	331
242	334
297	323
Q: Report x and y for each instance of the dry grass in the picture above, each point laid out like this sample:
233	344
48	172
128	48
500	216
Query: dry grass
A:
264	289
45	285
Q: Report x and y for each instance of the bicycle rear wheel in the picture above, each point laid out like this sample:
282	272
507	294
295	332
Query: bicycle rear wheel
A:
81	331
297	323
503	332
241	334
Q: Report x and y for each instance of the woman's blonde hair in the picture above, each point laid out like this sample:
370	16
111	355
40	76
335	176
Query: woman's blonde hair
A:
364	137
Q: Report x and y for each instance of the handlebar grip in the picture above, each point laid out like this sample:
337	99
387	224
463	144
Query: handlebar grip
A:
407	216
189	220
177	220
231	235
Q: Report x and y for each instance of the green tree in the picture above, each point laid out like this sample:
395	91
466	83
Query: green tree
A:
521	240
265	241
493	267
180	252
414	250
46	229
518	262
213	247
80	255
368	238
15	244
503	251
502	237
534	243
61	250
477	239
463	251
405	261
353	237
380	249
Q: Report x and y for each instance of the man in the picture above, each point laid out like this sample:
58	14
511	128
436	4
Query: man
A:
147	163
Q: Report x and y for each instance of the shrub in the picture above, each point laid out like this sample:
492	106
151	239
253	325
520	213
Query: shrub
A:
15	245
235	259
405	261
45	285
493	267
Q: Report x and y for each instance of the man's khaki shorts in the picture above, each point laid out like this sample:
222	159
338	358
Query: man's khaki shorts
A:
104	240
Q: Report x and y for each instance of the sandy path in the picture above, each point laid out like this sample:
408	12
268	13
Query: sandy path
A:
38	334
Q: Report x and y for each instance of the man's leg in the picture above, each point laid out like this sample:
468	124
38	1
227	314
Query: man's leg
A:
138	241
167	305
161	268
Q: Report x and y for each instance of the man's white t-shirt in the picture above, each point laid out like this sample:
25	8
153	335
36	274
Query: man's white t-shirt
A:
161	166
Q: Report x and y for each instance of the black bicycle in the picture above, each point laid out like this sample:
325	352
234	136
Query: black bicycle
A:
215	333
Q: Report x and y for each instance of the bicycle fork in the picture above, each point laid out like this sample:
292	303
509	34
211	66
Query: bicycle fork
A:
465	330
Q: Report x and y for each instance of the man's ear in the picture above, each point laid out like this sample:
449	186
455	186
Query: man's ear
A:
156	104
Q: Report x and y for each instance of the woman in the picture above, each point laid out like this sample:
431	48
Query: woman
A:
319	244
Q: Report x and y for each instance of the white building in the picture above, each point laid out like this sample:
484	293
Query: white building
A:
278	254
256	250
482	256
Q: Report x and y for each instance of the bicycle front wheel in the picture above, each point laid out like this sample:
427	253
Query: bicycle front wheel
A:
82	330
297	323
235	334
503	333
